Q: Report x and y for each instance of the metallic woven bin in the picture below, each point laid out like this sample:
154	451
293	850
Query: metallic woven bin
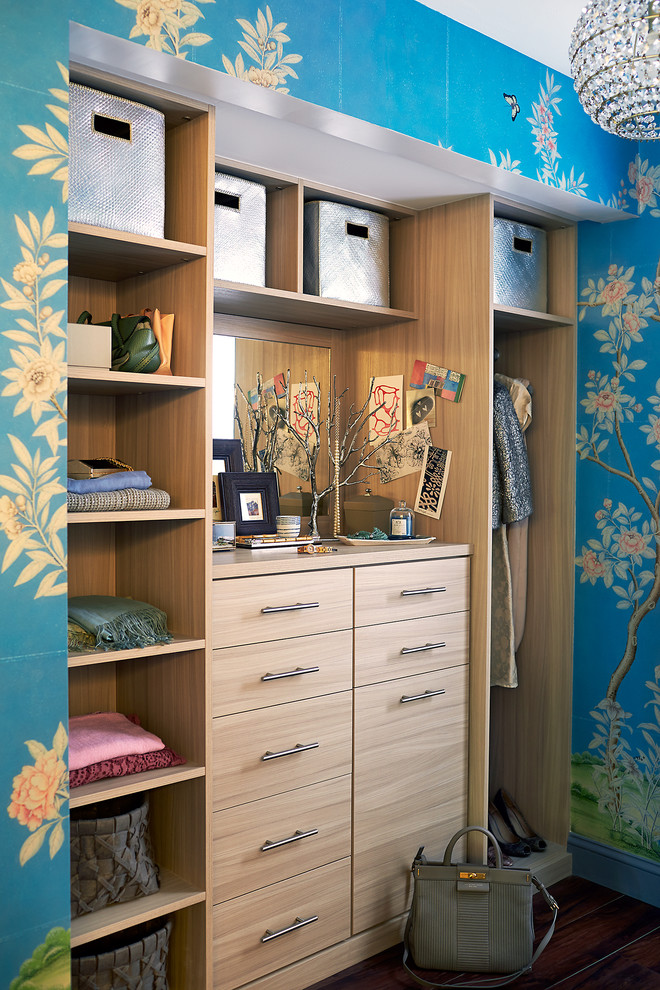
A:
135	959
116	163
239	222
520	266
111	856
346	253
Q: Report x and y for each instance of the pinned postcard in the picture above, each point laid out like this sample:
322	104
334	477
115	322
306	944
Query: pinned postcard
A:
447	384
433	482
404	454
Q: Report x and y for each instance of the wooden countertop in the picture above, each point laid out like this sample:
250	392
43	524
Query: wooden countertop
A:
245	563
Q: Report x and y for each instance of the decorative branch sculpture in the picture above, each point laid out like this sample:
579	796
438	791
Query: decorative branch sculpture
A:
347	450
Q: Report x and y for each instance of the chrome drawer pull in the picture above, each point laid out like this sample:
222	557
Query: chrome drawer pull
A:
298	748
418	697
288	608
292	673
423	591
299	923
292	838
421	649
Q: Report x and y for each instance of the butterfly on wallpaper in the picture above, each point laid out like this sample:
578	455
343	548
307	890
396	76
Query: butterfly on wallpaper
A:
513	103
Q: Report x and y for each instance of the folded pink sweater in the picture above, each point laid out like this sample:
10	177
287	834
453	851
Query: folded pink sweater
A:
106	736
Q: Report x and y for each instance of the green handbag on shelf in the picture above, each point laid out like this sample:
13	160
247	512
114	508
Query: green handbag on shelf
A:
134	344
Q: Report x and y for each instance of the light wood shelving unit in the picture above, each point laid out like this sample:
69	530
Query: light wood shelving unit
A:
520	738
159	424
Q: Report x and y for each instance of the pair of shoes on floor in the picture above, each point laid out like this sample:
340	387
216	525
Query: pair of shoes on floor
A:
510	827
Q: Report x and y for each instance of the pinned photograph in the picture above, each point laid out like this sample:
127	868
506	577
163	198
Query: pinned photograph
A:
420	407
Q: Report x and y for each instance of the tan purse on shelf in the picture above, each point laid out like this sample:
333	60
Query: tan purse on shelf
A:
471	918
163	328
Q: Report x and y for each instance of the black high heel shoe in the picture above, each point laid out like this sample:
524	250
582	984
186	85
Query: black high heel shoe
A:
508	841
514	818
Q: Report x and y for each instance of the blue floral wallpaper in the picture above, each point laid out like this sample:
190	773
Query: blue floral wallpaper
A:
34	936
616	732
401	65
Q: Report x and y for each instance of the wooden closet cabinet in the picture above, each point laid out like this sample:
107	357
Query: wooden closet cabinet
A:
333	762
159	424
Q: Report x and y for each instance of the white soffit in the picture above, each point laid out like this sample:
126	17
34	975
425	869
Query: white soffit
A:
279	133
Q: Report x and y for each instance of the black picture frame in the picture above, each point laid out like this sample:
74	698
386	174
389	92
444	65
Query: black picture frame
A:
251	499
229	452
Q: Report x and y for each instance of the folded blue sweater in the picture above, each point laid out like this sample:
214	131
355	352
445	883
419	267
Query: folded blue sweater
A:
109	482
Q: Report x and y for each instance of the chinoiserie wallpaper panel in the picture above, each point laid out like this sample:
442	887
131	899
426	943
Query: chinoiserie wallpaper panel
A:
396	63
401	65
34	836
616	726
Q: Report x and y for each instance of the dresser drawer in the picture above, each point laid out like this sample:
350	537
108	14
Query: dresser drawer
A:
410	784
388	592
296	918
273	607
262	753
261	843
247	677
397	649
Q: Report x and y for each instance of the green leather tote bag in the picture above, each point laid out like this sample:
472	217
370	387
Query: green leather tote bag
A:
472	918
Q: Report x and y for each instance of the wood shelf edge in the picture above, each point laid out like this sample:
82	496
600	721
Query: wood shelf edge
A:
134	783
179	644
174	895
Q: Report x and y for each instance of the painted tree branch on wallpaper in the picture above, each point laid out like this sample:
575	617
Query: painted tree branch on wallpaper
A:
545	144
626	555
263	43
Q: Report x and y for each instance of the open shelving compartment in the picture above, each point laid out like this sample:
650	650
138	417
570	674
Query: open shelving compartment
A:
282	297
161	425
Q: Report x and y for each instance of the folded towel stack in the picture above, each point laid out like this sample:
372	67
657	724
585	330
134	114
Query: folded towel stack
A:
116	491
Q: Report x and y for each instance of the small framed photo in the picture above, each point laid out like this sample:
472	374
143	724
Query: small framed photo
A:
227	456
250	498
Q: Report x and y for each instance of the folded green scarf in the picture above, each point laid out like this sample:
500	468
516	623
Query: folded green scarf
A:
119	623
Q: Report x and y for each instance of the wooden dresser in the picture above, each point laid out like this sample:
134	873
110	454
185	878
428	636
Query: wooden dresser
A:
340	694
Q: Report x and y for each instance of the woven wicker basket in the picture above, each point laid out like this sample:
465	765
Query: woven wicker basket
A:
135	959
111	856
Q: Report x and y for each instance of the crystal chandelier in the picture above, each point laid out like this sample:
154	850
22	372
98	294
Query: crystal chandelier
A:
615	65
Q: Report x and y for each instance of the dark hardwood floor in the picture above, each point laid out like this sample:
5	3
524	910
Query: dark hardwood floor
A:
602	940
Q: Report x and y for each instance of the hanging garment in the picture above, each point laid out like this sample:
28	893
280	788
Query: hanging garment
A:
520	391
512	504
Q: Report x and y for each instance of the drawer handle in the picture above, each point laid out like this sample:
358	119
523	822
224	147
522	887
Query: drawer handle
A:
418	697
298	748
299	923
288	608
292	673
421	649
292	838
423	591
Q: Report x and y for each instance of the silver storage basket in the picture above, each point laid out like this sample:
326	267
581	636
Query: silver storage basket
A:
116	163
346	253
520	266
239	222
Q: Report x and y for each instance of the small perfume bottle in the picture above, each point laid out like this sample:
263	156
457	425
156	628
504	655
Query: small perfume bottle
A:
401	522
